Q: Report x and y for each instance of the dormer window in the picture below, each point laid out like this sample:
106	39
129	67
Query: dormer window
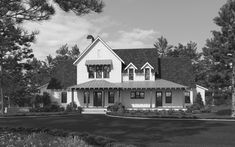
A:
147	70
131	74
131	71
147	73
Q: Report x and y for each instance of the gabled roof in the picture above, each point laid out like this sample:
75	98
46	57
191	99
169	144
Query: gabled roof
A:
43	86
130	64
147	64
178	70
139	56
91	45
198	86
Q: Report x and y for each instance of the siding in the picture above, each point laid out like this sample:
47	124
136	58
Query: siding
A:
99	52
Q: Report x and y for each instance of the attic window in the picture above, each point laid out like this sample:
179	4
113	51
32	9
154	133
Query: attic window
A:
131	74
147	73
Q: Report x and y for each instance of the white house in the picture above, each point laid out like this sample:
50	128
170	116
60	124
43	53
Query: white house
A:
137	78
106	76
202	91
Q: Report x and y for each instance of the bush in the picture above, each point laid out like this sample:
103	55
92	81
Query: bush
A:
48	108
117	107
72	107
197	106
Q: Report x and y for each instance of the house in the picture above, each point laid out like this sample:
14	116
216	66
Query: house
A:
202	91
137	78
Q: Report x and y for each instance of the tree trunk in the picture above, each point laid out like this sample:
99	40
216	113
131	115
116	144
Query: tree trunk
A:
233	90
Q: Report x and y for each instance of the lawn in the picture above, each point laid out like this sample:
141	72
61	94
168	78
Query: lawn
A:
138	132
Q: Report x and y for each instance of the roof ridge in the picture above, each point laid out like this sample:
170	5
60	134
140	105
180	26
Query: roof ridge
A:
132	48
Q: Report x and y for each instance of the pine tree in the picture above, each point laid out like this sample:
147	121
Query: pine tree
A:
220	50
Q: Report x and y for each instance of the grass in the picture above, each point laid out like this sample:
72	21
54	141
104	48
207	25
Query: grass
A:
138	132
39	139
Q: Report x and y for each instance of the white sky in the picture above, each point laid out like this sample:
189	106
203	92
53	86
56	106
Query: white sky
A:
130	24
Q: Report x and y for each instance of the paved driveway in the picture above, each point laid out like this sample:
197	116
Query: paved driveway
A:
139	132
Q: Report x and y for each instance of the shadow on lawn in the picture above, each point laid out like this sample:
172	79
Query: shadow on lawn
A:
137	132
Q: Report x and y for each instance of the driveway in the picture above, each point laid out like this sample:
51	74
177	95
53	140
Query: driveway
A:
138	132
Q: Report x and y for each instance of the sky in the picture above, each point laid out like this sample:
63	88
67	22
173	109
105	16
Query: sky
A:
129	24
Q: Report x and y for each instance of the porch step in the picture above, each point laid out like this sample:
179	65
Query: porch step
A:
94	111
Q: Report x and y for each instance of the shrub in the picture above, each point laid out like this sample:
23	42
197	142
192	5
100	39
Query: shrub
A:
199	101
197	106
46	99
117	107
72	107
48	108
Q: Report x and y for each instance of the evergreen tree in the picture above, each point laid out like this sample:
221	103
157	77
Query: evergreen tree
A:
220	50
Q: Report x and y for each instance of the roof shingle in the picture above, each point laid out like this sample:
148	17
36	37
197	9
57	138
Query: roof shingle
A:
139	57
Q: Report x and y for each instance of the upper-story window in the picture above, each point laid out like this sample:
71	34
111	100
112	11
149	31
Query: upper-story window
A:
147	73
91	72
98	71
106	70
131	74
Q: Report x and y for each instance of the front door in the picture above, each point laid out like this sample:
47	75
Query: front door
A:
98	98
158	98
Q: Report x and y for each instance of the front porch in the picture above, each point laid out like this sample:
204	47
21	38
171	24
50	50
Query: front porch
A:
149	95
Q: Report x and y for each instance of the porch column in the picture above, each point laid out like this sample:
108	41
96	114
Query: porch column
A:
72	96
119	96
103	98
151	98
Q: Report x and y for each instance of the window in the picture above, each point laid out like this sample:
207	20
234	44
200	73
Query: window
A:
147	73
111	97
106	70
132	95
137	95
131	74
187	97
99	71
64	97
168	97
86	97
91	72
159	94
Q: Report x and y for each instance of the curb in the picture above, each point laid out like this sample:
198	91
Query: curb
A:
173	119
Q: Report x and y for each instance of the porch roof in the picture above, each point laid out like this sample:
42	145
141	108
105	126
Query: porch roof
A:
96	84
103	84
157	84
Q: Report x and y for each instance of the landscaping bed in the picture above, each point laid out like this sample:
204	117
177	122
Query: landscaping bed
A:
154	114
40	114
52	137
